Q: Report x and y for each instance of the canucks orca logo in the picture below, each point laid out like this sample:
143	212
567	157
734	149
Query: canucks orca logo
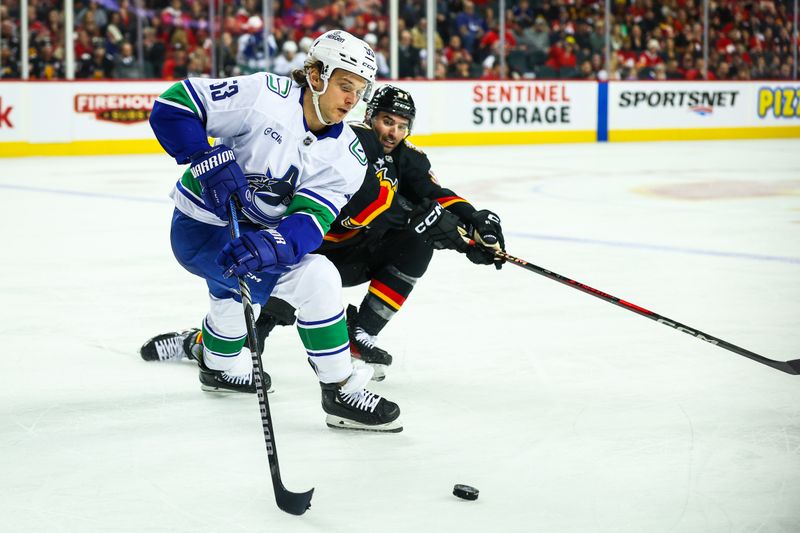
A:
271	195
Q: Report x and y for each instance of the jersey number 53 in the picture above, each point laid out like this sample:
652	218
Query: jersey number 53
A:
221	90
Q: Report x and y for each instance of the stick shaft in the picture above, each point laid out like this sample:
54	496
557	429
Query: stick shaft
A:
790	367
293	503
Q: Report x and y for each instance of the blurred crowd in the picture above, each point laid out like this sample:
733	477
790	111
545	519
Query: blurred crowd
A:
566	39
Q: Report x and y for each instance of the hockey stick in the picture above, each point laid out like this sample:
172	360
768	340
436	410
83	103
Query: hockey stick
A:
790	367
291	502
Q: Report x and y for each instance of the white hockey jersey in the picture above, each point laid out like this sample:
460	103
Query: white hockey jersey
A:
260	117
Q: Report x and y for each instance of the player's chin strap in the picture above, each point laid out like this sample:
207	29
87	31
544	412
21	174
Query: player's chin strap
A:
315	99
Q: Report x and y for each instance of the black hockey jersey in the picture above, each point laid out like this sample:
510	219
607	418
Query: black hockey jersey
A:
400	182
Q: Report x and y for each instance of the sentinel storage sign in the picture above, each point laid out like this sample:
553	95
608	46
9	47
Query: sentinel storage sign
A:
687	110
513	111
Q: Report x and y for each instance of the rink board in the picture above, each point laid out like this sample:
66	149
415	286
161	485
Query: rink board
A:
703	110
111	117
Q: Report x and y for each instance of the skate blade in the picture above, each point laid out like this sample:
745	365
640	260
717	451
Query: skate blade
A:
380	371
335	422
211	388
155	358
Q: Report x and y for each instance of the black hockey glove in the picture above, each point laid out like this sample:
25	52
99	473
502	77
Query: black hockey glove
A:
488	237
438	226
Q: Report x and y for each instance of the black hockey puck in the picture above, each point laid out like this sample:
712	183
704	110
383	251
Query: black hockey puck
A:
465	492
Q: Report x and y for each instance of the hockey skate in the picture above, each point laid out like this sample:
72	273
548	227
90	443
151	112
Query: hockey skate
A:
172	346
222	381
351	406
363	348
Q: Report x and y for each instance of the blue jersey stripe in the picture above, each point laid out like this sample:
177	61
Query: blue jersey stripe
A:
190	195
196	99
319	198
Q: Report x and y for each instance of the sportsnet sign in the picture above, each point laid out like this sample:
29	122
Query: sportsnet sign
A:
119	108
731	109
702	102
655	105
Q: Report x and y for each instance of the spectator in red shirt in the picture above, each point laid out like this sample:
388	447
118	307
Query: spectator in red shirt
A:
83	45
696	73
176	66
562	55
650	57
625	52
493	36
454	51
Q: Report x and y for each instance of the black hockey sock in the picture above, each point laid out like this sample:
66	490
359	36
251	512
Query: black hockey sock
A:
275	312
388	291
373	314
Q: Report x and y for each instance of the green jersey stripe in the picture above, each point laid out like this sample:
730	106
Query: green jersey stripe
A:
190	183
321	213
178	94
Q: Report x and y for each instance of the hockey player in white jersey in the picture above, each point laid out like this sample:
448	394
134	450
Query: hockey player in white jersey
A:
284	153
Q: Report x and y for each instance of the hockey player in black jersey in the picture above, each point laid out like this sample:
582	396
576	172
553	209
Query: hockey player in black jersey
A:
387	237
387	232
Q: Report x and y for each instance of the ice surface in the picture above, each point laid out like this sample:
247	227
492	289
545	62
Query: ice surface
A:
567	413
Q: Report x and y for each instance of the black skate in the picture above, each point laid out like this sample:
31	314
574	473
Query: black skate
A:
363	348
222	381
351	406
172	346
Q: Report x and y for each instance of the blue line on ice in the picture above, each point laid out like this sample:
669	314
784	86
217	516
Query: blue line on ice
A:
658	247
535	236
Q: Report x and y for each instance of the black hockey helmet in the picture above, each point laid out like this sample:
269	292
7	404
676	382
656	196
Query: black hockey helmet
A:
392	99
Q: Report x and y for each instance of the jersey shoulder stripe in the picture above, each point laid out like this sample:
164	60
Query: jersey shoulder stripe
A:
178	96
196	99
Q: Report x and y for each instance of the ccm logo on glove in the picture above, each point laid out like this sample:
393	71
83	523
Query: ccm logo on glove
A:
430	219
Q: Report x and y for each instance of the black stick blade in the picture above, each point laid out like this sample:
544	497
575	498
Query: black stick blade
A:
293	502
792	367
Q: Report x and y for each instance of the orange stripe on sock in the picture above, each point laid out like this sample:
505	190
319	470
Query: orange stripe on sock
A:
387	294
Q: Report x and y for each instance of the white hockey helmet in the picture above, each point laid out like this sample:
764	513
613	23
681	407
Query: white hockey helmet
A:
339	49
